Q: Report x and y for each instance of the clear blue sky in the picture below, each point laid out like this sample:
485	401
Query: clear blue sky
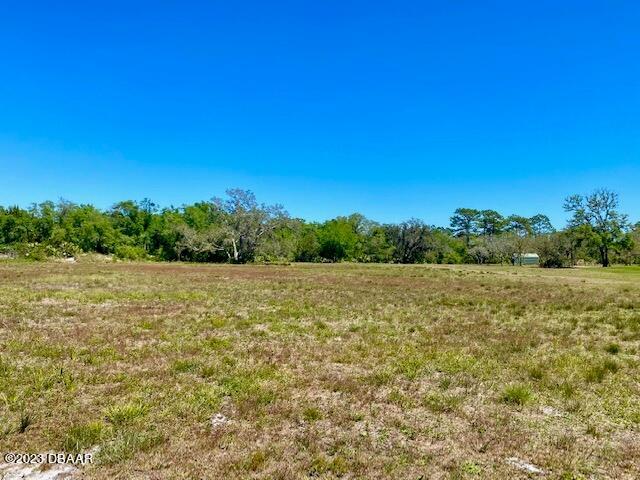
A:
393	109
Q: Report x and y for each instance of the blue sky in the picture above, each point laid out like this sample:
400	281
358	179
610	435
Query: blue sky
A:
392	109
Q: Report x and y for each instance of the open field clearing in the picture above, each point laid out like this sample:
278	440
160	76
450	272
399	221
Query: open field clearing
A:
322	371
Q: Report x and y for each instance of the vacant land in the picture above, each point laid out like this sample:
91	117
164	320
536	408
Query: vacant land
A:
203	371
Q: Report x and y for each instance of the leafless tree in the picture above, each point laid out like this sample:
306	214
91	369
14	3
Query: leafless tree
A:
246	223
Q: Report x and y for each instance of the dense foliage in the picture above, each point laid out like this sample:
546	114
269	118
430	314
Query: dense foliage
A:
238	229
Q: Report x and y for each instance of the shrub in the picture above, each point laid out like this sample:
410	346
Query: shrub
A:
129	252
65	249
553	250
32	251
41	251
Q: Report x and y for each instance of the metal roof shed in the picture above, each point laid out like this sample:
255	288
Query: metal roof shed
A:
526	259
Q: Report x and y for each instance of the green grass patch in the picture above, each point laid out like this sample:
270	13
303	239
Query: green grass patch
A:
517	395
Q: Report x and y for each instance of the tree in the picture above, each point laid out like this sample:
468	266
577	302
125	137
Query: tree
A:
632	256
202	215
339	239
199	246
88	228
520	229
442	247
245	223
238	229
45	218
541	225
490	222
598	220
464	223
17	226
164	233
409	240
128	219
376	246
555	250
308	245
282	243
493	248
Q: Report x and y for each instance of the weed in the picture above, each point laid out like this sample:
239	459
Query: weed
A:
441	403
597	373
124	414
517	395
185	366
255	461
400	399
470	468
444	383
126	444
82	437
536	373
612	348
25	422
311	414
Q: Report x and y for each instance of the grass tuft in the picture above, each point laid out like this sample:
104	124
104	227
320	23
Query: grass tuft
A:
25	422
124	414
597	373
441	403
127	443
311	414
81	437
612	348
517	395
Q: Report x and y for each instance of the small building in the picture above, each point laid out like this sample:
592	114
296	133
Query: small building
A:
526	259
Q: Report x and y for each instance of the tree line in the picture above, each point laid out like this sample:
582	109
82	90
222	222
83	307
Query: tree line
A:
238	229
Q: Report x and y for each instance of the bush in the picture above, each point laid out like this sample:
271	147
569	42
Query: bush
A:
35	251
129	252
553	251
41	251
65	249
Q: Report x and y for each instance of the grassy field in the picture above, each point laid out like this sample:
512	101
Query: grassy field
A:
322	371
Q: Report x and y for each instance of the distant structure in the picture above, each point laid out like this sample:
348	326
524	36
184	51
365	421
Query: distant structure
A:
526	259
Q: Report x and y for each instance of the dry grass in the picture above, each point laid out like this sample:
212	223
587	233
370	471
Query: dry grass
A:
331	371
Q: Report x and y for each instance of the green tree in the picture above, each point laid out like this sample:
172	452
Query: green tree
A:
441	247
45	218
595	217
376	246
541	225
308	245
164	233
464	223
88	229
17	226
490	222
339	239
